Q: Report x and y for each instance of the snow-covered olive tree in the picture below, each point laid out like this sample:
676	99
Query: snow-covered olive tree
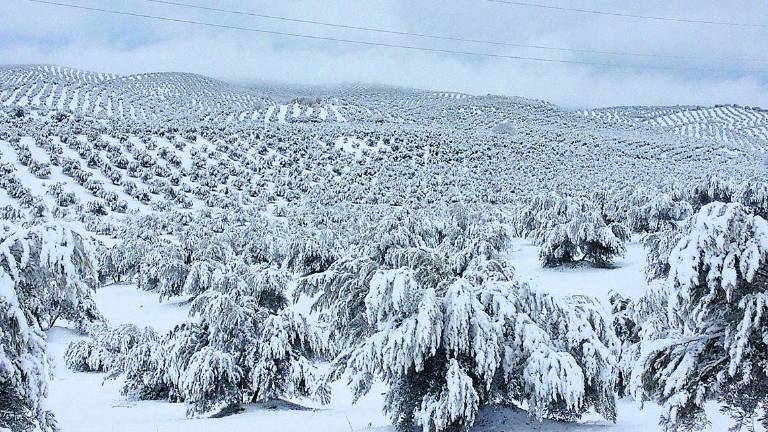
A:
710	339
54	272
313	252
209	384
660	219
281	363
658	246
712	188
240	345
659	213
446	350
754	194
107	349
569	229
47	272
24	367
427	305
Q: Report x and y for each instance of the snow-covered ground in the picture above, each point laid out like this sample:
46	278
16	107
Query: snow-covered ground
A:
85	402
625	277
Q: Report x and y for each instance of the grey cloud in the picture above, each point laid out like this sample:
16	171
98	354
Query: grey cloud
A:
128	45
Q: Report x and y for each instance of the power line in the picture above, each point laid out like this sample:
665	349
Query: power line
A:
391	45
628	15
448	38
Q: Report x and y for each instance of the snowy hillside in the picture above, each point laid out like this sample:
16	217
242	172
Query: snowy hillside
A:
191	141
745	127
179	253
153	97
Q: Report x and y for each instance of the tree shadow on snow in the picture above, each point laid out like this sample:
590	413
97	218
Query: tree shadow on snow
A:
278	405
510	419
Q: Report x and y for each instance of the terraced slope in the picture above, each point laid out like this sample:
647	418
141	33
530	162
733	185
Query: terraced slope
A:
745	127
152	97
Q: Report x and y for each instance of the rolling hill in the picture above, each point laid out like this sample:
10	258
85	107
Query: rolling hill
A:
190	141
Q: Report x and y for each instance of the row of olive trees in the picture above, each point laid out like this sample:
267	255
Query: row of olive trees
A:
422	300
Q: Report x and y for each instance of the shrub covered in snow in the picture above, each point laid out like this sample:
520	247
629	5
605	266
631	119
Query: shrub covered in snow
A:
94	186
97	207
23	154
712	189
11	213
237	349
754	194
119	206
209	384
658	246
66	199
313	252
447	350
107	349
40	169
86	356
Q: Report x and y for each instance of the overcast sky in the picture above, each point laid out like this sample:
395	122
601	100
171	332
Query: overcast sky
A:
38	33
